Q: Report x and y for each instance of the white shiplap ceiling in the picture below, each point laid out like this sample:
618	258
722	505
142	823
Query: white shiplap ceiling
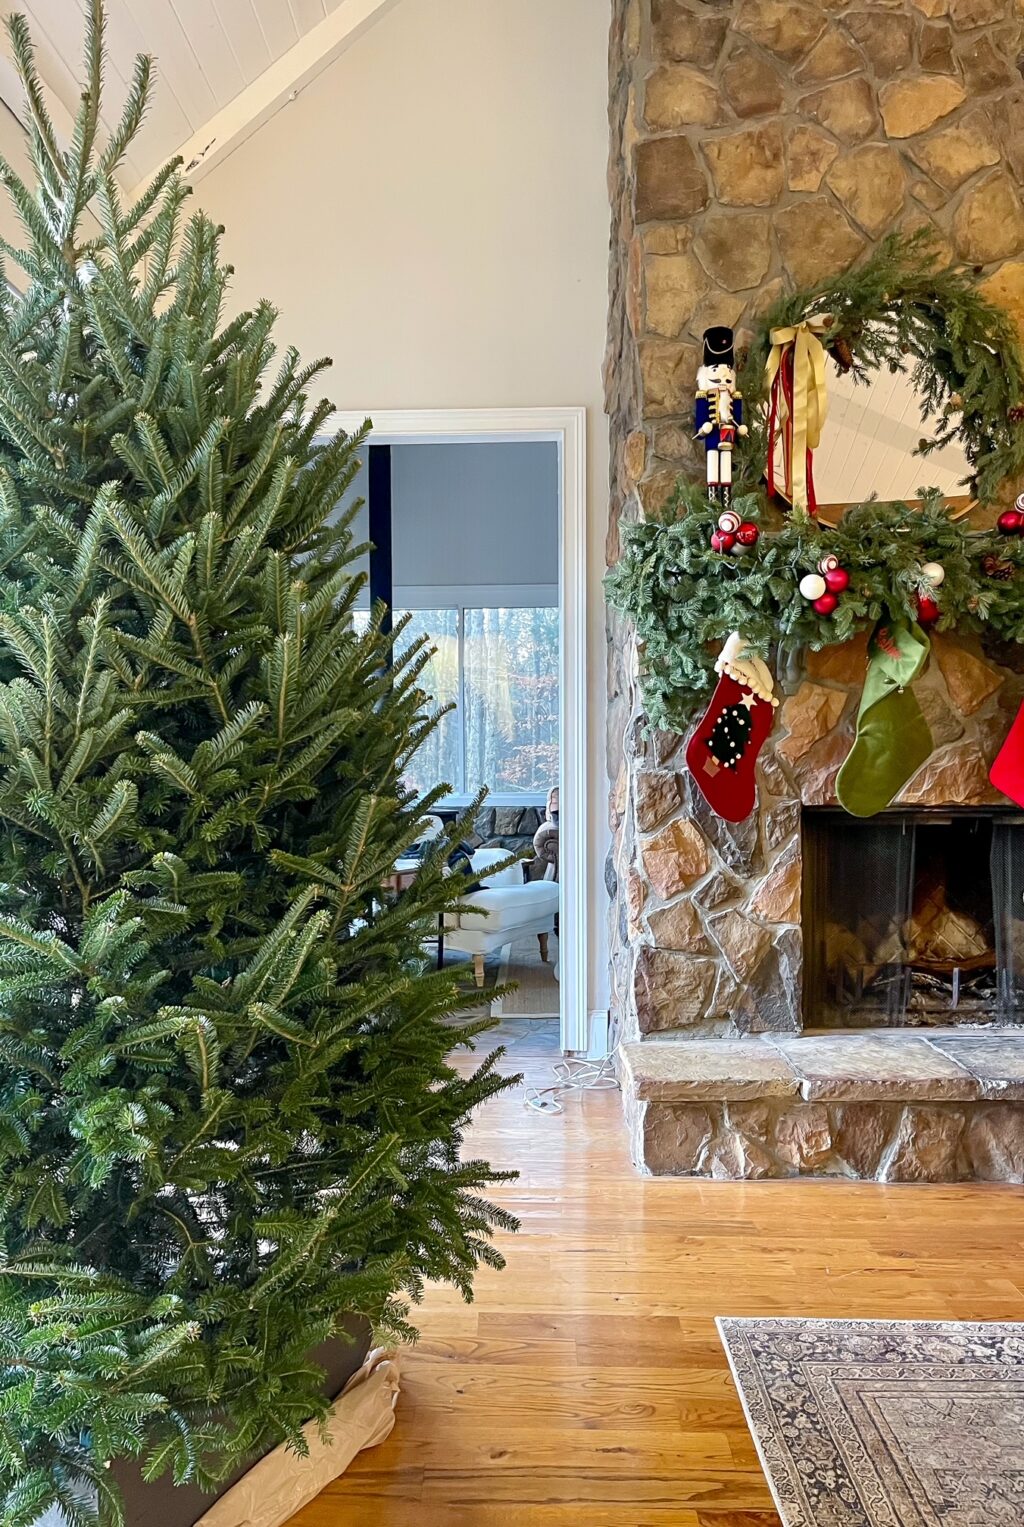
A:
222	66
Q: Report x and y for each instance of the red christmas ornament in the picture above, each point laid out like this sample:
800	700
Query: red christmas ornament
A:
722	540
928	611
747	533
826	603
1011	522
837	579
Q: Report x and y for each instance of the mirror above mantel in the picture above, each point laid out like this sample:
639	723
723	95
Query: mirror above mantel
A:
869	447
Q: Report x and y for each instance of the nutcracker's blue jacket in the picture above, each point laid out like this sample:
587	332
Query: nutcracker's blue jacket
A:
707	409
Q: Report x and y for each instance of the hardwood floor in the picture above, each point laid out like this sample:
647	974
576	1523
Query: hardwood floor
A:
586	1383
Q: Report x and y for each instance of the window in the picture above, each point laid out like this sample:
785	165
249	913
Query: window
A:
439	759
500	669
510	687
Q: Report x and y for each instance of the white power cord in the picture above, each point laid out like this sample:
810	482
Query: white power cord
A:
572	1076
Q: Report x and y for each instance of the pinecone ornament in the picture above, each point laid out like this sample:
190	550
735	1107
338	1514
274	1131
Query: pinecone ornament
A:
994	567
842	352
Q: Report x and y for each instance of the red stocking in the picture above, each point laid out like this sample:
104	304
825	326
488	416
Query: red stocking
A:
1007	772
723	750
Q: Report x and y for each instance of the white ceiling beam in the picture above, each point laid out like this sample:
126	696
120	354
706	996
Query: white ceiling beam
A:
277	85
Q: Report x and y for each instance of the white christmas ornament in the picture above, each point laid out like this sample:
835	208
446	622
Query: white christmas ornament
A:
812	585
729	521
934	572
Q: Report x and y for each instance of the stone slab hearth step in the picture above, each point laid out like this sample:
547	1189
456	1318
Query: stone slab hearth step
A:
886	1105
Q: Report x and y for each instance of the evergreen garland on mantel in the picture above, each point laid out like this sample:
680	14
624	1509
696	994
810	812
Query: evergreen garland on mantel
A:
685	598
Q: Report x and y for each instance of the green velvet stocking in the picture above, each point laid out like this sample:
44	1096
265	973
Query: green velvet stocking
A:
893	739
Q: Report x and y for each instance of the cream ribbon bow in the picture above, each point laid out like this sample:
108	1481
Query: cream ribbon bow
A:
810	399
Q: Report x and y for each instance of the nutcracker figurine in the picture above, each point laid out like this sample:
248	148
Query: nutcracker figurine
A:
719	411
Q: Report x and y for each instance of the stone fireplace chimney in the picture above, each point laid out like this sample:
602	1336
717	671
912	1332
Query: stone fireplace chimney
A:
756	146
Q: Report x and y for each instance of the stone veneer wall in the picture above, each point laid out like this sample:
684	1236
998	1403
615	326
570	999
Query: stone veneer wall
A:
757	144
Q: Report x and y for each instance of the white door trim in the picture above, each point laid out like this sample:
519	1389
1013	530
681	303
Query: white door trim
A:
567	427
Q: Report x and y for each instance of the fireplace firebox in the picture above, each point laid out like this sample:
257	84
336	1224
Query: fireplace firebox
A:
913	918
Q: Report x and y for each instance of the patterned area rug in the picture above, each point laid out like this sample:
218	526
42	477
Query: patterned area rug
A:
879	1423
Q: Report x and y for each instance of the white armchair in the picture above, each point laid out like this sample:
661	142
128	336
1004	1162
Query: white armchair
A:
504	910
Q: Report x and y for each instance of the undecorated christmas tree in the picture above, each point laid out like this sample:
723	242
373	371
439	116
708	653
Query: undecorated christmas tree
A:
227	1119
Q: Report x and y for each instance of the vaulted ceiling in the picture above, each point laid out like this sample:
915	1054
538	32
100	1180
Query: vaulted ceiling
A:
223	66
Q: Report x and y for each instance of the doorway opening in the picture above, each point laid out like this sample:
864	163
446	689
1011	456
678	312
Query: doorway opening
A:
476	524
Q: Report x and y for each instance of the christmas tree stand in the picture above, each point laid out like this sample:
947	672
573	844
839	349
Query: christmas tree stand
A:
364	1384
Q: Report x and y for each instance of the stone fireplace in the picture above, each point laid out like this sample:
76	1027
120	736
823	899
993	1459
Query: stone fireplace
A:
820	994
803	917
758	145
913	918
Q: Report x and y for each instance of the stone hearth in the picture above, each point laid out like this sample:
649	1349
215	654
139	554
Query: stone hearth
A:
890	1106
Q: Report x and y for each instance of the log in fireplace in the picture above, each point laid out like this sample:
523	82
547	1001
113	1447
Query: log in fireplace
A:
913	917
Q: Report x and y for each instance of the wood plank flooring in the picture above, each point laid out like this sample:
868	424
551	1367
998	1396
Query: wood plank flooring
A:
586	1384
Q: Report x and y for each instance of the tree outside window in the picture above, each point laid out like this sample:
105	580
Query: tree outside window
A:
499	668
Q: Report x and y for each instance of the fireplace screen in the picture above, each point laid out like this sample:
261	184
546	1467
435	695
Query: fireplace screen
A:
913	918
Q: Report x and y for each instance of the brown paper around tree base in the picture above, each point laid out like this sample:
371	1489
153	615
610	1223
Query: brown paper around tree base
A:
283	1482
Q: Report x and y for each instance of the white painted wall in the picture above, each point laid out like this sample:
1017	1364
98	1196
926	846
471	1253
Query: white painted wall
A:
432	212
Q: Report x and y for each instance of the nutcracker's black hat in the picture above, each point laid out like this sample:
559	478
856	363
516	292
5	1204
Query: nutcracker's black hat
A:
718	346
